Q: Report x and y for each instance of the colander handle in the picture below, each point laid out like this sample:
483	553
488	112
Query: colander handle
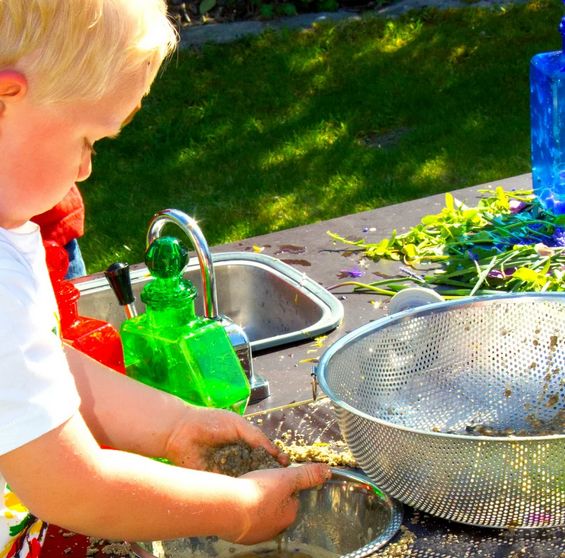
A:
412	297
314	382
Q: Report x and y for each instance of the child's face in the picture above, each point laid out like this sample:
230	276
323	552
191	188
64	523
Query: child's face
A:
44	150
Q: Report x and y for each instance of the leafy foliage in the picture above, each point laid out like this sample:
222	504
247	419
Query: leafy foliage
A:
506	243
201	11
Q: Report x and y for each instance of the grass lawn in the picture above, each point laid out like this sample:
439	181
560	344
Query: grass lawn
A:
294	127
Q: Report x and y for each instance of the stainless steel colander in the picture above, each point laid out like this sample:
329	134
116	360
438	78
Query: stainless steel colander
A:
413	390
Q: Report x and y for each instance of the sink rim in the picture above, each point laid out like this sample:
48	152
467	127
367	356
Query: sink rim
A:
331	307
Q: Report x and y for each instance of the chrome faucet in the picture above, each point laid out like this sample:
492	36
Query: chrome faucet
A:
236	334
189	226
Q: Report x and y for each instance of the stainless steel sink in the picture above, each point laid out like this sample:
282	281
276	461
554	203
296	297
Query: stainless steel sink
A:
273	302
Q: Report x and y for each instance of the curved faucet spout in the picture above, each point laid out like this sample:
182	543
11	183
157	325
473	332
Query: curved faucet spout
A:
190	227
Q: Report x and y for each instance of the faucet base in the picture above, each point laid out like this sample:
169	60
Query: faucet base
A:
259	389
240	342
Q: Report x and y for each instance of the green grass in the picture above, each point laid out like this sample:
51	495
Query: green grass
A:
294	127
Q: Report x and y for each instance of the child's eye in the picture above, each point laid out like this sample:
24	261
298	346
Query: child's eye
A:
89	146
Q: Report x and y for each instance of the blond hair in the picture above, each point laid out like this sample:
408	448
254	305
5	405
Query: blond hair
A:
78	49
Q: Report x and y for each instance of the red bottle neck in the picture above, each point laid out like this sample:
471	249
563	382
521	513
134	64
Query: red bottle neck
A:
67	296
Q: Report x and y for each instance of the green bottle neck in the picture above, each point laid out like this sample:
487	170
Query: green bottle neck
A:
169	302
171	317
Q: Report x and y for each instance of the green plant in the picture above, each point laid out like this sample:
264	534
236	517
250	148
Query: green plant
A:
328	5
267	9
206	5
506	243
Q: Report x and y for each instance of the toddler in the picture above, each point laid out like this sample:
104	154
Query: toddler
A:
71	73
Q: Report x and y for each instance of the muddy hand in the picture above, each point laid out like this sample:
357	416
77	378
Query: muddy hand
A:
272	502
202	429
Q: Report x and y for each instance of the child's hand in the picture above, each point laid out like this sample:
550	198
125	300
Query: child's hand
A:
202	429
271	499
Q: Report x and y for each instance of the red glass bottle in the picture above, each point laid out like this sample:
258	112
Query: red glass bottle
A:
96	338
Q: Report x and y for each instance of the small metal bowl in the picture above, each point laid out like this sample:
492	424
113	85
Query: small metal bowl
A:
347	516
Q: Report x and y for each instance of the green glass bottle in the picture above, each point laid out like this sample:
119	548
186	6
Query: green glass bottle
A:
171	348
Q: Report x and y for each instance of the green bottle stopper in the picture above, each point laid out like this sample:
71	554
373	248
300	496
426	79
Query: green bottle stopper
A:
171	348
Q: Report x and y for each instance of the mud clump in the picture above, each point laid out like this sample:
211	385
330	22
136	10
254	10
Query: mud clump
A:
237	459
335	454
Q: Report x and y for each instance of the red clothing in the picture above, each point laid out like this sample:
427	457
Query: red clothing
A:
65	221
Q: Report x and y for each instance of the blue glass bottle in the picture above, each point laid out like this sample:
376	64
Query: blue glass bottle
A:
547	109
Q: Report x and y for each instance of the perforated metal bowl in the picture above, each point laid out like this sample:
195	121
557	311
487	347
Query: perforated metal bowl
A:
412	390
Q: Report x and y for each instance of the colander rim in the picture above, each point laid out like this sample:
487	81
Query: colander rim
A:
444	306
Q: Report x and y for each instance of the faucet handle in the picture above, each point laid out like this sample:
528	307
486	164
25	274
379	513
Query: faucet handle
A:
190	227
118	276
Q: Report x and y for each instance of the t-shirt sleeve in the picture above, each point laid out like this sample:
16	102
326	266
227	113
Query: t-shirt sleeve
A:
37	389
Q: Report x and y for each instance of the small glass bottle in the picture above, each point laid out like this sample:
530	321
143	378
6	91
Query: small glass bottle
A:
96	338
171	348
547	111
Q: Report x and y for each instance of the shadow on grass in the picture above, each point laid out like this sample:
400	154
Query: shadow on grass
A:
289	128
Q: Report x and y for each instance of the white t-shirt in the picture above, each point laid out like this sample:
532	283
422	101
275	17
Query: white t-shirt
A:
37	389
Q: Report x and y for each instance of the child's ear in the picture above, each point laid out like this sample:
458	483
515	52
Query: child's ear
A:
13	85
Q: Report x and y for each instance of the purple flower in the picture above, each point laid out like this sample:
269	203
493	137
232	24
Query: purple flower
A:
351	272
501	274
516	206
558	237
496	274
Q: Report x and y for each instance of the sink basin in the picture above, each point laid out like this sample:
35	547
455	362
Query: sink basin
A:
273	302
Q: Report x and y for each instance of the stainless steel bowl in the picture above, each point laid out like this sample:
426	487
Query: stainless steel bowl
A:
414	391
347	516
